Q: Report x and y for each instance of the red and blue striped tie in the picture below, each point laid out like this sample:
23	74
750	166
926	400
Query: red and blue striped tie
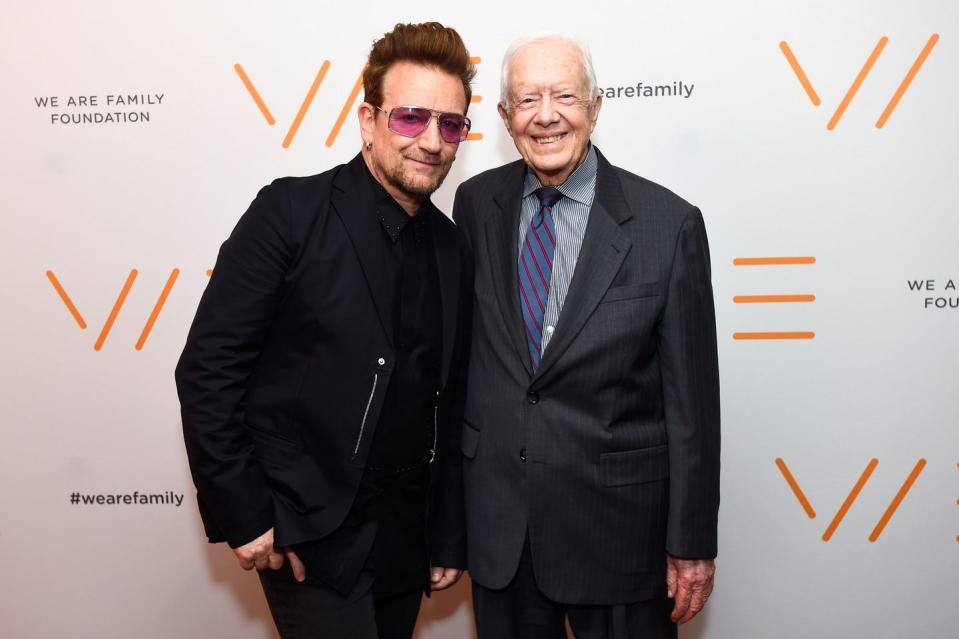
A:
535	268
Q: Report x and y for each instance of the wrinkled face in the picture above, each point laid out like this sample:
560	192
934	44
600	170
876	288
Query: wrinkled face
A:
411	168
550	115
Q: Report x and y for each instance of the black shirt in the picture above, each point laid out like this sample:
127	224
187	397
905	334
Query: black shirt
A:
405	434
385	530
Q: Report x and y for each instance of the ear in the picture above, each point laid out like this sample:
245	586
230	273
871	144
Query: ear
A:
503	113
594	111
366	114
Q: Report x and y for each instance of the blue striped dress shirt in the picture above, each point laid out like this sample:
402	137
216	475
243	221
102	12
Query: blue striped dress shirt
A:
570	215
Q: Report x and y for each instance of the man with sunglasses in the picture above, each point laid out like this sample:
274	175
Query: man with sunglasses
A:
326	364
591	429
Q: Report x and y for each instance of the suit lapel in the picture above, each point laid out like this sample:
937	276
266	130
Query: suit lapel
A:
354	203
448	268
605	246
502	235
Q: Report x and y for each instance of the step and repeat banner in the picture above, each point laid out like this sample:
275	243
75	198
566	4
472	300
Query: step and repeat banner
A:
820	140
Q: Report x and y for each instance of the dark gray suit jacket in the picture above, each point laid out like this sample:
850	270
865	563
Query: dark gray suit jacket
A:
609	455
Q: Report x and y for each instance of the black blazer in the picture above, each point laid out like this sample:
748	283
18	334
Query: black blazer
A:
289	358
609	455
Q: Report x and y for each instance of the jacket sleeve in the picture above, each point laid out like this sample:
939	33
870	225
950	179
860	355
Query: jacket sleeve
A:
233	317
689	364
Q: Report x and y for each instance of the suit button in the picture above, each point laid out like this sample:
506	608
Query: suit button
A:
381	361
532	397
522	454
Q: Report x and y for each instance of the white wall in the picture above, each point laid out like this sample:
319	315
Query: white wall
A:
875	207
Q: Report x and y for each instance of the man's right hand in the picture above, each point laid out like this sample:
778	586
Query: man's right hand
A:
261	554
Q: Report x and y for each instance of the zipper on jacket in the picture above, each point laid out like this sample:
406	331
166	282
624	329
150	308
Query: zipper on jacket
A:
436	408
366	413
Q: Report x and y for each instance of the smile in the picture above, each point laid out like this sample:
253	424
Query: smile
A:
550	139
424	162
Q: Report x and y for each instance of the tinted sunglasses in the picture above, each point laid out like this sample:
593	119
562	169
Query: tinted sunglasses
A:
410	121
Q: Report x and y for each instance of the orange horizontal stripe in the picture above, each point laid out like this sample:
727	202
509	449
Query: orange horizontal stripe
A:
475	59
476	98
772	299
474	136
776	335
769	261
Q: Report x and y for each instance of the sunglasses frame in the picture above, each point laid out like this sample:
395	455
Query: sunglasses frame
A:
433	114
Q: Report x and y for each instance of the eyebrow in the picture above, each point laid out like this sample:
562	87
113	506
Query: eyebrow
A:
561	89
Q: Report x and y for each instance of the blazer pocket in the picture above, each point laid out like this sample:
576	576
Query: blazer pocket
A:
273	449
633	291
634	466
469	441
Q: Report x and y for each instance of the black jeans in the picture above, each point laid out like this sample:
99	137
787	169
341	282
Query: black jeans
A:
312	610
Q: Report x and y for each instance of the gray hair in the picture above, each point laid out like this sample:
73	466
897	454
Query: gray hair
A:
586	59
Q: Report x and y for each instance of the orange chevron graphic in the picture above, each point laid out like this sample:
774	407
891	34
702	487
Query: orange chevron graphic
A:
850	499
157	308
852	496
859	79
118	306
308	101
66	299
800	74
254	94
345	111
794	485
854	87
116	310
903	491
304	107
906	81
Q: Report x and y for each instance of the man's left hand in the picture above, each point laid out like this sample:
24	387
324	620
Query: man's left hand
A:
443	578
689	582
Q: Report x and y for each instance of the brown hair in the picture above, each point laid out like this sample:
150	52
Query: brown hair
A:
430	44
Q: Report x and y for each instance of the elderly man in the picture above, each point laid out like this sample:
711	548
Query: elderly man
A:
591	431
326	362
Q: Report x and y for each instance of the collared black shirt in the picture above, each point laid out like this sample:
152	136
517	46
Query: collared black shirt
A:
406	432
385	530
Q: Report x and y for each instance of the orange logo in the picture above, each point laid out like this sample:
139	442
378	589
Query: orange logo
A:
773	299
860	77
117	306
308	100
851	497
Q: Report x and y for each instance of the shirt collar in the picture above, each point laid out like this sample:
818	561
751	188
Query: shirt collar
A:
391	215
578	186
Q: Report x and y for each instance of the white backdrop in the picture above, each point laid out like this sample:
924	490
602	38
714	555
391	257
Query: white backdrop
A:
870	209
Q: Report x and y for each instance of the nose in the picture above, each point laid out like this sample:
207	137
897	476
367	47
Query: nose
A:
545	113
430	140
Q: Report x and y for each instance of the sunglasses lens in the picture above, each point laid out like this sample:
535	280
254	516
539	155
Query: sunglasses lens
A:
453	127
409	121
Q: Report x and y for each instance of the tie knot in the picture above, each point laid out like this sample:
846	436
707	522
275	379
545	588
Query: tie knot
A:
548	196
